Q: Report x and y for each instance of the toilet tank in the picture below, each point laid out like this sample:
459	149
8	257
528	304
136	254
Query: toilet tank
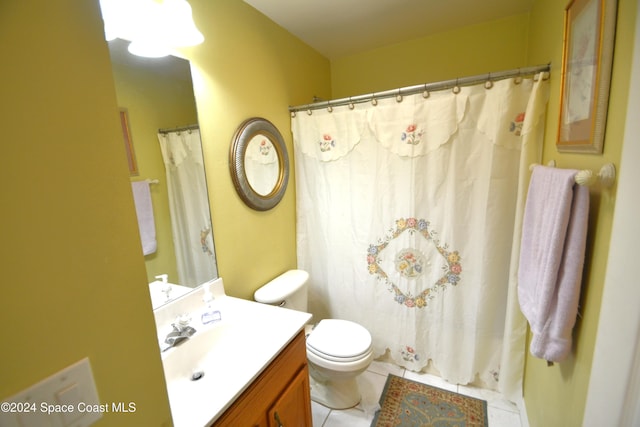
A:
287	290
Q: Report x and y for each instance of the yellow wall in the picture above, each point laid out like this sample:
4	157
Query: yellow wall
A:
477	49
555	396
155	100
72	268
248	66
73	278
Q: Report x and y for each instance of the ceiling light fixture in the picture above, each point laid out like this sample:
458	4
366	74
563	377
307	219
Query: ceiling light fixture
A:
154	27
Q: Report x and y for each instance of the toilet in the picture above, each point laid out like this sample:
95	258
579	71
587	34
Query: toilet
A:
337	350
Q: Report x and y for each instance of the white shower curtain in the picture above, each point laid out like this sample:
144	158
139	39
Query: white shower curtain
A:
189	206
406	218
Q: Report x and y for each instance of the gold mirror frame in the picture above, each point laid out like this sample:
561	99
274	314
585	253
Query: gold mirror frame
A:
244	134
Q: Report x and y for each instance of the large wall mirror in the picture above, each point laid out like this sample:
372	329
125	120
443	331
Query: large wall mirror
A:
164	141
259	163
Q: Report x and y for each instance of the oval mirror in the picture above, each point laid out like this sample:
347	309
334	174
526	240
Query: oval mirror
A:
259	163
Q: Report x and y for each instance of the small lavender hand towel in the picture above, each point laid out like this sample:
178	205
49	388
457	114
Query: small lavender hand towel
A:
551	259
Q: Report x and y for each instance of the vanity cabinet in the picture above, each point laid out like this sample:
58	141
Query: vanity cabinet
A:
280	395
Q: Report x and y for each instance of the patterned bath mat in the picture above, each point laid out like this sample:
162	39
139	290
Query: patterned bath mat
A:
406	403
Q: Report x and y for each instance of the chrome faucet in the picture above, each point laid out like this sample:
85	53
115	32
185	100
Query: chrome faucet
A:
180	333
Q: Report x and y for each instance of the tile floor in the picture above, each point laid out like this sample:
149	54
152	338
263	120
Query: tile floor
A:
500	412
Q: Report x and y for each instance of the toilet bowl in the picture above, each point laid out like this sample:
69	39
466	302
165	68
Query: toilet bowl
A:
337	350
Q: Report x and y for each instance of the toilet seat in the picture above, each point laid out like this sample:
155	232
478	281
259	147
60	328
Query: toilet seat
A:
339	341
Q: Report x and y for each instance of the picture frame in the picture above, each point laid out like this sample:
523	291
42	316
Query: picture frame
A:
128	142
589	32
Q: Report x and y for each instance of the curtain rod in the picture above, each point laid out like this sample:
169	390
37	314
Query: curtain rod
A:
410	90
179	128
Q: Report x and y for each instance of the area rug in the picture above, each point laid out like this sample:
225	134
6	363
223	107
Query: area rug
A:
406	403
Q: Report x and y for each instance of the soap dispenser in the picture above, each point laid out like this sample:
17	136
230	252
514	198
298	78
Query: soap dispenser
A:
209	314
166	286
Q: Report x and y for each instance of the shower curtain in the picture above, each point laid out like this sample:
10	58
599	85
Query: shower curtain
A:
188	206
407	214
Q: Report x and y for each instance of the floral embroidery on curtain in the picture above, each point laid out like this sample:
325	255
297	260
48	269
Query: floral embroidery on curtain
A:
332	136
412	135
417	126
410	263
516	124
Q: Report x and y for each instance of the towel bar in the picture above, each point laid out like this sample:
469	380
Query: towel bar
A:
606	176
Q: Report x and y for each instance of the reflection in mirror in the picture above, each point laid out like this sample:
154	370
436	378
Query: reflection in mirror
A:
261	165
157	94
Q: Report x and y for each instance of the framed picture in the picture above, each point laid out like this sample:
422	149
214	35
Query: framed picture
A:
589	29
128	143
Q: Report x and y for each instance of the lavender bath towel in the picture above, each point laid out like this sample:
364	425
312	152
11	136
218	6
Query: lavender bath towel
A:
144	212
554	236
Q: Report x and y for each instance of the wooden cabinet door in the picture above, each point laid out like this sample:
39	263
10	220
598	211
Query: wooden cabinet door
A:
284	384
293	407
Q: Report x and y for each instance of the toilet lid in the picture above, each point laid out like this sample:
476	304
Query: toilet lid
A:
339	339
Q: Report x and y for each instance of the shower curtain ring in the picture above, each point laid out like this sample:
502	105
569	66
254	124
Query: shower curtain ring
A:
456	88
374	101
329	107
351	106
309	112
518	78
399	96
293	114
425	93
488	84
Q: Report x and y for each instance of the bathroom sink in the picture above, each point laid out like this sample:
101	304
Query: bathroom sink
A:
191	360
207	372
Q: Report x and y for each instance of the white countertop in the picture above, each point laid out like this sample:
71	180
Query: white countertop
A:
247	339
